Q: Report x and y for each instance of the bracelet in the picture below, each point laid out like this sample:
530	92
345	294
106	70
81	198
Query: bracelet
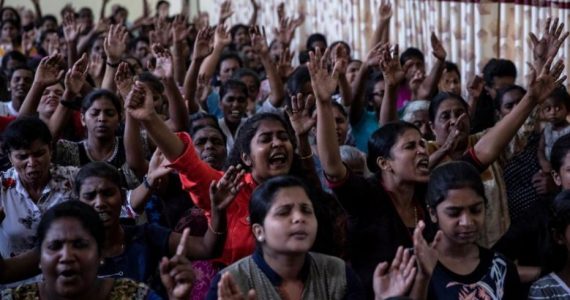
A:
213	231
307	156
73	105
146	183
113	65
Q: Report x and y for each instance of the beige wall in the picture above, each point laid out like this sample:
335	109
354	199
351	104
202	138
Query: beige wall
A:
134	6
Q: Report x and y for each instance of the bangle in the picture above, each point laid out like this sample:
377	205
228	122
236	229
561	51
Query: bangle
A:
307	156
213	231
146	183
113	65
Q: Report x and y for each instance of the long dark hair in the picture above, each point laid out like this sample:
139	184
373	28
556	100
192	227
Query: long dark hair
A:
555	255
246	133
382	140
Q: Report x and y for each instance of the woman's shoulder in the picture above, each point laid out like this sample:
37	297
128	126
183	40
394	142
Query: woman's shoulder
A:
125	288
548	286
23	292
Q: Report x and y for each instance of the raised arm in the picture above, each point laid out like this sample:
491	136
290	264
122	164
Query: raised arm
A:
302	122
381	34
143	111
222	193
474	91
429	86
71	30
359	85
253	18
37	9
222	39
157	169
393	77
74	84
115	45
84	41
131	137
103	8
343	85
180	32
178	115
259	45
202	49
549	44
225	12
490	146
324	86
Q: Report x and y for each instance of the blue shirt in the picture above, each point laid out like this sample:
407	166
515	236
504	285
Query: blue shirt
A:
145	245
362	130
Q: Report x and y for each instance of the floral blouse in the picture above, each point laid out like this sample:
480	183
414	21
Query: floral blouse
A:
22	214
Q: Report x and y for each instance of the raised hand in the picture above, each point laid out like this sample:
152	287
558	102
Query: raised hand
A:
281	11
50	70
54	47
96	66
71	29
286	30
258	40
202	44
437	48
396	280
549	44
163	66
225	11
300	114
202	20
228	289
202	89
161	33
541	86
222	37
391	68
101	26
180	29
323	84
284	65
476	86
224	191
255	5
457	133
374	56
157	168
385	10
115	43
28	38
340	61
426	254
124	79
75	77
139	103
176	273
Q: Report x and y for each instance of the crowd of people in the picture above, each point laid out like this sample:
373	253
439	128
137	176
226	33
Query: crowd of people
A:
169	158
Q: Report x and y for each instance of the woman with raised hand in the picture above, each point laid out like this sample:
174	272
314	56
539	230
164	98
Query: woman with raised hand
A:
264	147
389	205
135	251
